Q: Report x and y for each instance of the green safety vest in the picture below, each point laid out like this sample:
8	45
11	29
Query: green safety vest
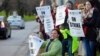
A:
64	33
75	42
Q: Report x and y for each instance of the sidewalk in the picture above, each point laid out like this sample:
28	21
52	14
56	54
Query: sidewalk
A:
35	31
36	27
23	49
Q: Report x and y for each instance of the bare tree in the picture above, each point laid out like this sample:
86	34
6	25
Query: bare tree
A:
21	6
5	7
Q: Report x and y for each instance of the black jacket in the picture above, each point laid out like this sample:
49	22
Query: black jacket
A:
90	23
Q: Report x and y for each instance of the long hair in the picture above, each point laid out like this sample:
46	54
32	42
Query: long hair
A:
91	2
60	34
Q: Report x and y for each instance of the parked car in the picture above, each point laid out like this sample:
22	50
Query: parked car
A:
16	21
5	30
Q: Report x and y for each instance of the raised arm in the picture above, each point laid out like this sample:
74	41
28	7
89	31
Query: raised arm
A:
41	2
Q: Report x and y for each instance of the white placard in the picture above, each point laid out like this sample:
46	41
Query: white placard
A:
60	15
43	12
34	45
48	24
75	23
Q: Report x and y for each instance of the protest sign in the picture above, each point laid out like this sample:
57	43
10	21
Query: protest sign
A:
43	11
34	45
44	14
60	15
48	24
75	23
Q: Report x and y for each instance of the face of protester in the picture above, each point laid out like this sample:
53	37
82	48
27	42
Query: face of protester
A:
88	5
54	34
69	5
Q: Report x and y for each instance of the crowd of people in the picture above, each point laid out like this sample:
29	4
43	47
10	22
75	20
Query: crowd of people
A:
61	41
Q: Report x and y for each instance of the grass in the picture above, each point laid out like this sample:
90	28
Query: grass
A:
2	13
29	18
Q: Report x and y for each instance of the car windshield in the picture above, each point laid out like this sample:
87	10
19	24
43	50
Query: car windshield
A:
14	18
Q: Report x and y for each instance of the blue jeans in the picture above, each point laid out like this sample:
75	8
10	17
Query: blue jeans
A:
64	46
70	47
89	47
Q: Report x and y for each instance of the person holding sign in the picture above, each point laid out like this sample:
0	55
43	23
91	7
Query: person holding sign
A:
72	40
69	5
41	30
41	21
53	45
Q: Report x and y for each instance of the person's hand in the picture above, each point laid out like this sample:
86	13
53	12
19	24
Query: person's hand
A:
37	19
41	2
37	16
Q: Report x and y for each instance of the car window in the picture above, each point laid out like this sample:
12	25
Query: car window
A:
14	18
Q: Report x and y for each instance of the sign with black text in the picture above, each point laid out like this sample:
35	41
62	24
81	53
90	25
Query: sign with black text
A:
44	14
75	23
34	45
60	15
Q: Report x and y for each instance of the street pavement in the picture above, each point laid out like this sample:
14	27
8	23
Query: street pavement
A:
17	45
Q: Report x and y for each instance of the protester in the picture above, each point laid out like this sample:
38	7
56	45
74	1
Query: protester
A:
90	16
53	45
69	5
42	30
65	41
88	43
44	35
